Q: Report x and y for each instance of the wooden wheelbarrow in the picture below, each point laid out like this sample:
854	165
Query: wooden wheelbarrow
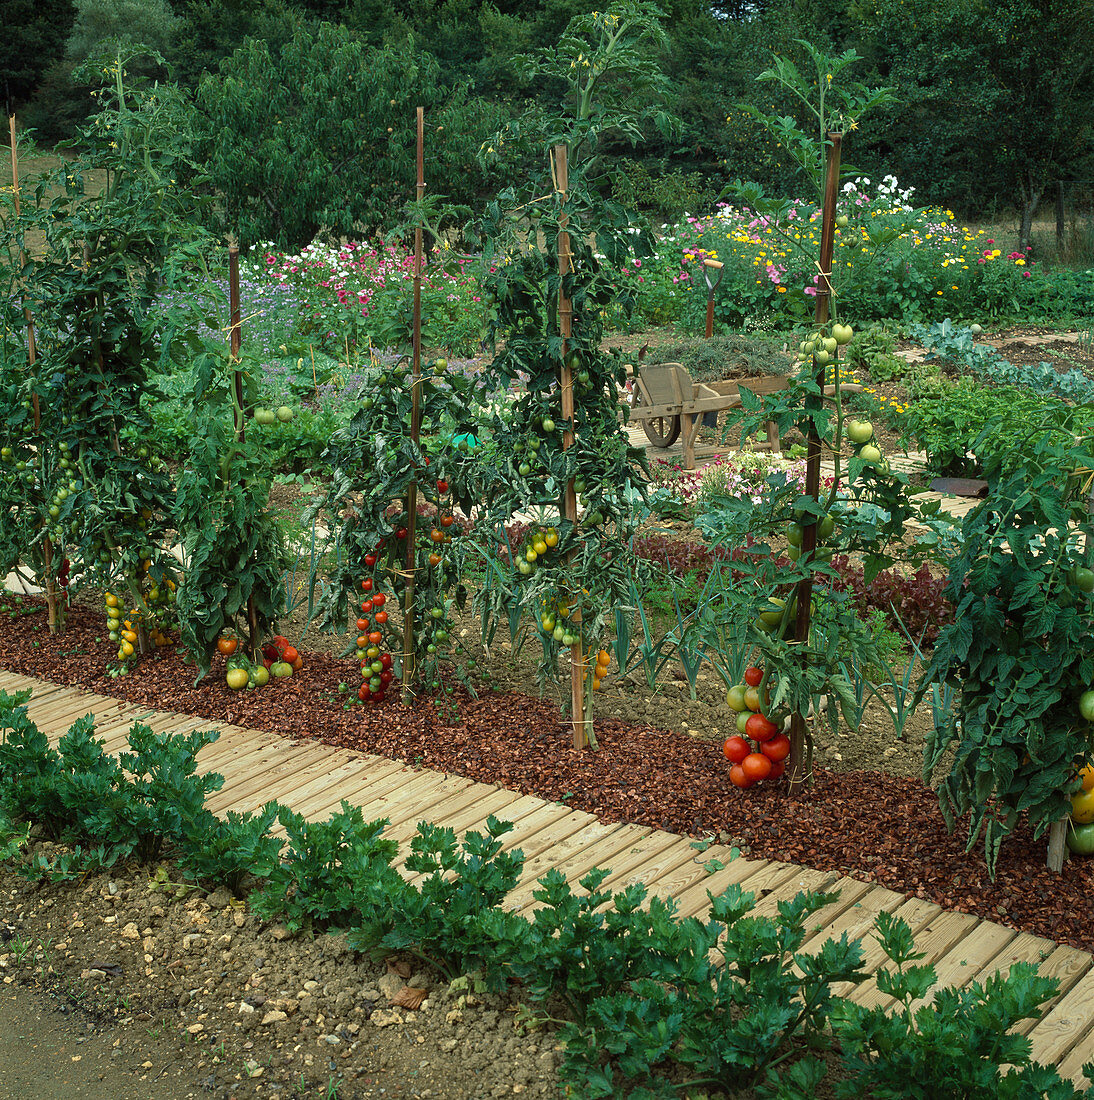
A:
666	402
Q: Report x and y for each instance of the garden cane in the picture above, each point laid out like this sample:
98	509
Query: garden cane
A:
710	419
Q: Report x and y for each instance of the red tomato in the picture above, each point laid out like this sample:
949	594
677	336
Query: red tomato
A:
760	728
381	618
379	696
370	561
376	637
736	749
777	748
366	584
367	605
363	692
442	486
379	600
400	532
756	766
777	769
385	660
298	664
447	521
738	778
362	625
386	677
362	640
753	676
227	646
289	654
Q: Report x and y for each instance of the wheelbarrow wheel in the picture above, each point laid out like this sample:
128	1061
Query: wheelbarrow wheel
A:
661	431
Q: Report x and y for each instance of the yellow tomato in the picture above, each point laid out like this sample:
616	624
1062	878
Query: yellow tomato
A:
1087	776
111	600
126	649
1082	807
752	699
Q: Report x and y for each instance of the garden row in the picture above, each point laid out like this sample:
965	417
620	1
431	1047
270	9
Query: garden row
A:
731	1001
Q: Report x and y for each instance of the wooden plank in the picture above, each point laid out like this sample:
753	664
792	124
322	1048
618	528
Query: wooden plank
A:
1064	1033
758	877
265	766
851	892
295	789
963	963
1071	1065
460	810
413	803
367	786
680	868
411	789
936	938
917	913
300	778
857	920
647	857
233	757
591	846
503	804
546	826
1067	966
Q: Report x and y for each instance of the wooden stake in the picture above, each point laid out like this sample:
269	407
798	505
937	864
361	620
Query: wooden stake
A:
235	338
415	425
235	342
801	759
583	735
49	582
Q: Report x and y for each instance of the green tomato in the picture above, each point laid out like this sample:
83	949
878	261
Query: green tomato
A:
870	454
826	528
842	221
794	535
842	333
1080	839
1086	706
859	431
1083	578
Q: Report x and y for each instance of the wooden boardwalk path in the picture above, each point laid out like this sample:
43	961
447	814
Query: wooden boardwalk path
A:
314	778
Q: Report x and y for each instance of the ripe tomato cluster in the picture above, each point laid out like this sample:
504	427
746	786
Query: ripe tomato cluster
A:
279	660
759	749
372	625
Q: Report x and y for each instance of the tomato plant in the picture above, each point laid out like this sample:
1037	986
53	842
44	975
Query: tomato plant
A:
235	553
1018	652
80	483
379	475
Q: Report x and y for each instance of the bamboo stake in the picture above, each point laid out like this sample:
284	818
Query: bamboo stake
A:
800	755
50	586
235	343
583	734
415	424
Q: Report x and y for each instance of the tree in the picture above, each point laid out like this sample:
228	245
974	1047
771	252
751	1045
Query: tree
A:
34	36
995	97
319	134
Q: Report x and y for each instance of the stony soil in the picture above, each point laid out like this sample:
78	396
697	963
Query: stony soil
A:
139	988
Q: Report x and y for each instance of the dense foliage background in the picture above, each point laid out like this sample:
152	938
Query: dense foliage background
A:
989	112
